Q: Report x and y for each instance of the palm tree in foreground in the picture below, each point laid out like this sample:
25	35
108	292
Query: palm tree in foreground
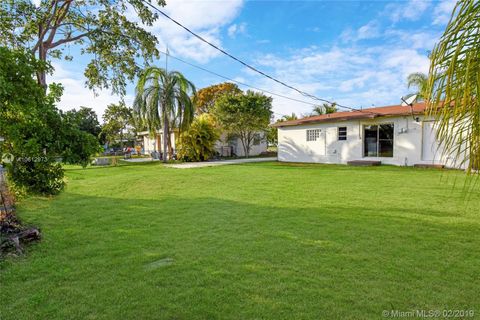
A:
454	86
162	100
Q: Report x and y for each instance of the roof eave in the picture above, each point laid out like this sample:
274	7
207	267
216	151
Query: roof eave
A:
346	118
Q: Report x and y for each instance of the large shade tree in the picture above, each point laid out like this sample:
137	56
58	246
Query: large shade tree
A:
206	97
162	101
118	118
86	119
245	116
100	28
454	86
35	134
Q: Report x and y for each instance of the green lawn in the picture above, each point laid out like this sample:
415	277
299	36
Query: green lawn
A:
253	241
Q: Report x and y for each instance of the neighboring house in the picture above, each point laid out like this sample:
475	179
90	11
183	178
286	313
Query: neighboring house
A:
153	143
224	147
227	147
397	135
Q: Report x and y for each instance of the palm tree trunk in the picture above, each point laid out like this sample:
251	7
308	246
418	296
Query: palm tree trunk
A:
170	148
165	137
121	139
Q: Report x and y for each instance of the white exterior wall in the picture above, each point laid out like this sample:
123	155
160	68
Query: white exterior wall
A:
408	146
150	143
255	150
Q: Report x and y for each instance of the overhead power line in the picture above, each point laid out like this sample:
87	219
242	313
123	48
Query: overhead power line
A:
303	93
236	81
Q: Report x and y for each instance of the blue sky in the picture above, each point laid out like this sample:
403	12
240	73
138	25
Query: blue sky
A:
357	53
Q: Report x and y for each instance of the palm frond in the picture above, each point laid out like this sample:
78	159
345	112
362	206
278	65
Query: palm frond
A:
454	86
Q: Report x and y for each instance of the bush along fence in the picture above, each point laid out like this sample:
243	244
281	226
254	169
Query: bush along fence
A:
13	235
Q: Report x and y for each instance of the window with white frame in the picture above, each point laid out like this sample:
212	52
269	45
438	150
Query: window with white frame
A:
313	134
342	133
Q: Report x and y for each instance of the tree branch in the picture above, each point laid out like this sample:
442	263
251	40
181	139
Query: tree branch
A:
42	34
69	39
63	12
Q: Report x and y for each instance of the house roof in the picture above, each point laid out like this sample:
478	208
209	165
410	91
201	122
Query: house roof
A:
370	113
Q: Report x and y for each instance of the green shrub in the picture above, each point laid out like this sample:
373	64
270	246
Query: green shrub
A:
198	143
43	175
35	133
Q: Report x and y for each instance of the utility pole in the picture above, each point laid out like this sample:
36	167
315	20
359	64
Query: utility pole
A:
166	59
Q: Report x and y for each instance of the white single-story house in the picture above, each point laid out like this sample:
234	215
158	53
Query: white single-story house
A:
396	135
233	147
224	147
153	143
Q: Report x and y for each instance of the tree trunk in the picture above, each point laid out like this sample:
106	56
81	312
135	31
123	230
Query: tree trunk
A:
170	149
121	139
165	137
42	56
244	145
248	144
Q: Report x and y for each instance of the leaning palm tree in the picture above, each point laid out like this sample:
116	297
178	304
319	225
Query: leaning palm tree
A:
454	86
162	101
418	80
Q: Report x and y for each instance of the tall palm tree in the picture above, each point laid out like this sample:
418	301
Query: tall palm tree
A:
418	80
454	86
162	100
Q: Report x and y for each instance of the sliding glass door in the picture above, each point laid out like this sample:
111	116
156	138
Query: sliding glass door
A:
378	140
370	141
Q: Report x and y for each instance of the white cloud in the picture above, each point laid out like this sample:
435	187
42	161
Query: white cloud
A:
405	61
76	94
200	14
370	30
354	76
355	83
413	40
312	63
409	10
443	12
207	18
236	29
